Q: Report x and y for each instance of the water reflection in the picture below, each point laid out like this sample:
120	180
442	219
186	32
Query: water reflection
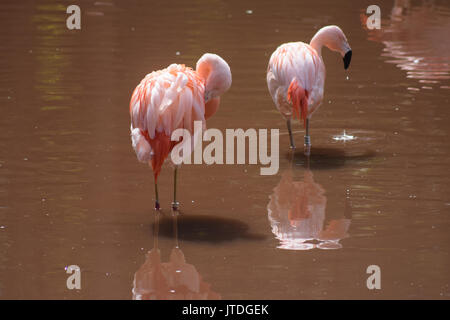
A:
172	280
297	214
415	36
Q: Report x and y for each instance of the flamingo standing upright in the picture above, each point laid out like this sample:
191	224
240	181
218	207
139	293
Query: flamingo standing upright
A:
173	98
296	76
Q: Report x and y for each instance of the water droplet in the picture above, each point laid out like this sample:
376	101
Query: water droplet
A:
177	53
249	11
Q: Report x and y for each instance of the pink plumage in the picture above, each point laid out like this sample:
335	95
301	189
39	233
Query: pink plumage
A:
164	101
295	64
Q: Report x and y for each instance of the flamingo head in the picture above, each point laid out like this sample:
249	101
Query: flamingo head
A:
333	38
216	73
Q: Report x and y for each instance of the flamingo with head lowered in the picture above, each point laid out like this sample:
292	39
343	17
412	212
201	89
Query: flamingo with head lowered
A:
296	76
170	99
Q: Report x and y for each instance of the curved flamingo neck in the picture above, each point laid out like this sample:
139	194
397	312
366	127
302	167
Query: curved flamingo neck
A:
204	71
318	41
216	74
333	38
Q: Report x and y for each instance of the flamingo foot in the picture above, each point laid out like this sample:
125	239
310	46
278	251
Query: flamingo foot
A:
175	206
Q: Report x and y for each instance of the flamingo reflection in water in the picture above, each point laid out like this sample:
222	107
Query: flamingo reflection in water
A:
297	214
414	36
172	280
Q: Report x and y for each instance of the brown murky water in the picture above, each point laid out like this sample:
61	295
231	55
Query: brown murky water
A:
72	191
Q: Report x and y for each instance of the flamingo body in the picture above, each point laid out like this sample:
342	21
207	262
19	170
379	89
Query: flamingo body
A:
296	65
164	101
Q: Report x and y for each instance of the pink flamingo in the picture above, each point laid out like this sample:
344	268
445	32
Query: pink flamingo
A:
173	98
296	76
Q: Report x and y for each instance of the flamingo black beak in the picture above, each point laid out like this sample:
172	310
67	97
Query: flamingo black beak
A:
347	59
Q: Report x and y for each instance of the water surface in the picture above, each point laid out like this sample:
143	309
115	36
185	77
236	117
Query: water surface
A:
72	191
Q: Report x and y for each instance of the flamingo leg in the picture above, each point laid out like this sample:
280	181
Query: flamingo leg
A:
157	207
291	138
307	140
175	203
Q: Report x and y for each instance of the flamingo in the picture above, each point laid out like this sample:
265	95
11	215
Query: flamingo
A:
173	98
296	76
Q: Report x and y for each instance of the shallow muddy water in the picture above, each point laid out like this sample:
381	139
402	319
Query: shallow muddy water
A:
374	192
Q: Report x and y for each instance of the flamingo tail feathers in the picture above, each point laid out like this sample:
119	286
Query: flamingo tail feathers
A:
299	99
161	147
